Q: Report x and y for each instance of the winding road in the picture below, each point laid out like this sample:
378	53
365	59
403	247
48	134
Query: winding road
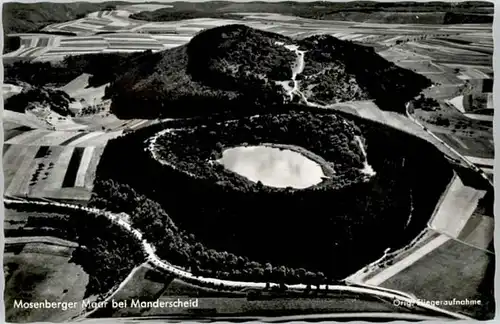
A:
153	259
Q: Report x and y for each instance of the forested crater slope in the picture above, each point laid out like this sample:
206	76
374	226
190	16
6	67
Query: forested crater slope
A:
332	228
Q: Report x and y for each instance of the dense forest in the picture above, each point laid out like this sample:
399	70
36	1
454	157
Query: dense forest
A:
342	71
103	67
226	67
106	252
167	14
345	228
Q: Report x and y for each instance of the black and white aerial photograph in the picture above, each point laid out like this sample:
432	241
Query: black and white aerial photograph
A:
246	161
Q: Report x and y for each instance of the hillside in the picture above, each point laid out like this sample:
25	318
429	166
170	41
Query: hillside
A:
31	17
237	66
366	11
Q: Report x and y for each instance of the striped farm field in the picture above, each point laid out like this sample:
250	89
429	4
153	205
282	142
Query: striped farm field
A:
71	50
92	45
98	22
55	172
133	36
28	137
42	42
100	140
73	165
81	39
39	137
17	176
13	162
14	130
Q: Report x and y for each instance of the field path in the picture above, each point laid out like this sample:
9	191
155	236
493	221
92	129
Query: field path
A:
394	269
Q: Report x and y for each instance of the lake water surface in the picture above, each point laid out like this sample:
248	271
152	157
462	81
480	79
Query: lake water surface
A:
273	167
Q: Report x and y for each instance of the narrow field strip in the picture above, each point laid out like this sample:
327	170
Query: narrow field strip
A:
408	261
83	167
5	149
39	239
73	138
481	161
138	124
53	138
456	208
28	137
459	142
38	189
482	235
11	133
42	152
12	160
60	167
72	169
84	138
92	168
81	39
79	45
24	170
103	139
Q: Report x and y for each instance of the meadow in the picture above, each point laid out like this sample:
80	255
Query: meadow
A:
37	272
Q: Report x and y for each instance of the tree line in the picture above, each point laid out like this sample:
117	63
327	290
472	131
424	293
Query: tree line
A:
182	249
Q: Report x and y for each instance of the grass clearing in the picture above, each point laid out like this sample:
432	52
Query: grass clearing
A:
42	272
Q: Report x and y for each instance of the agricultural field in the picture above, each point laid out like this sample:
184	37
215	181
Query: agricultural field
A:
53	156
41	271
54	172
459	200
447	278
114	31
